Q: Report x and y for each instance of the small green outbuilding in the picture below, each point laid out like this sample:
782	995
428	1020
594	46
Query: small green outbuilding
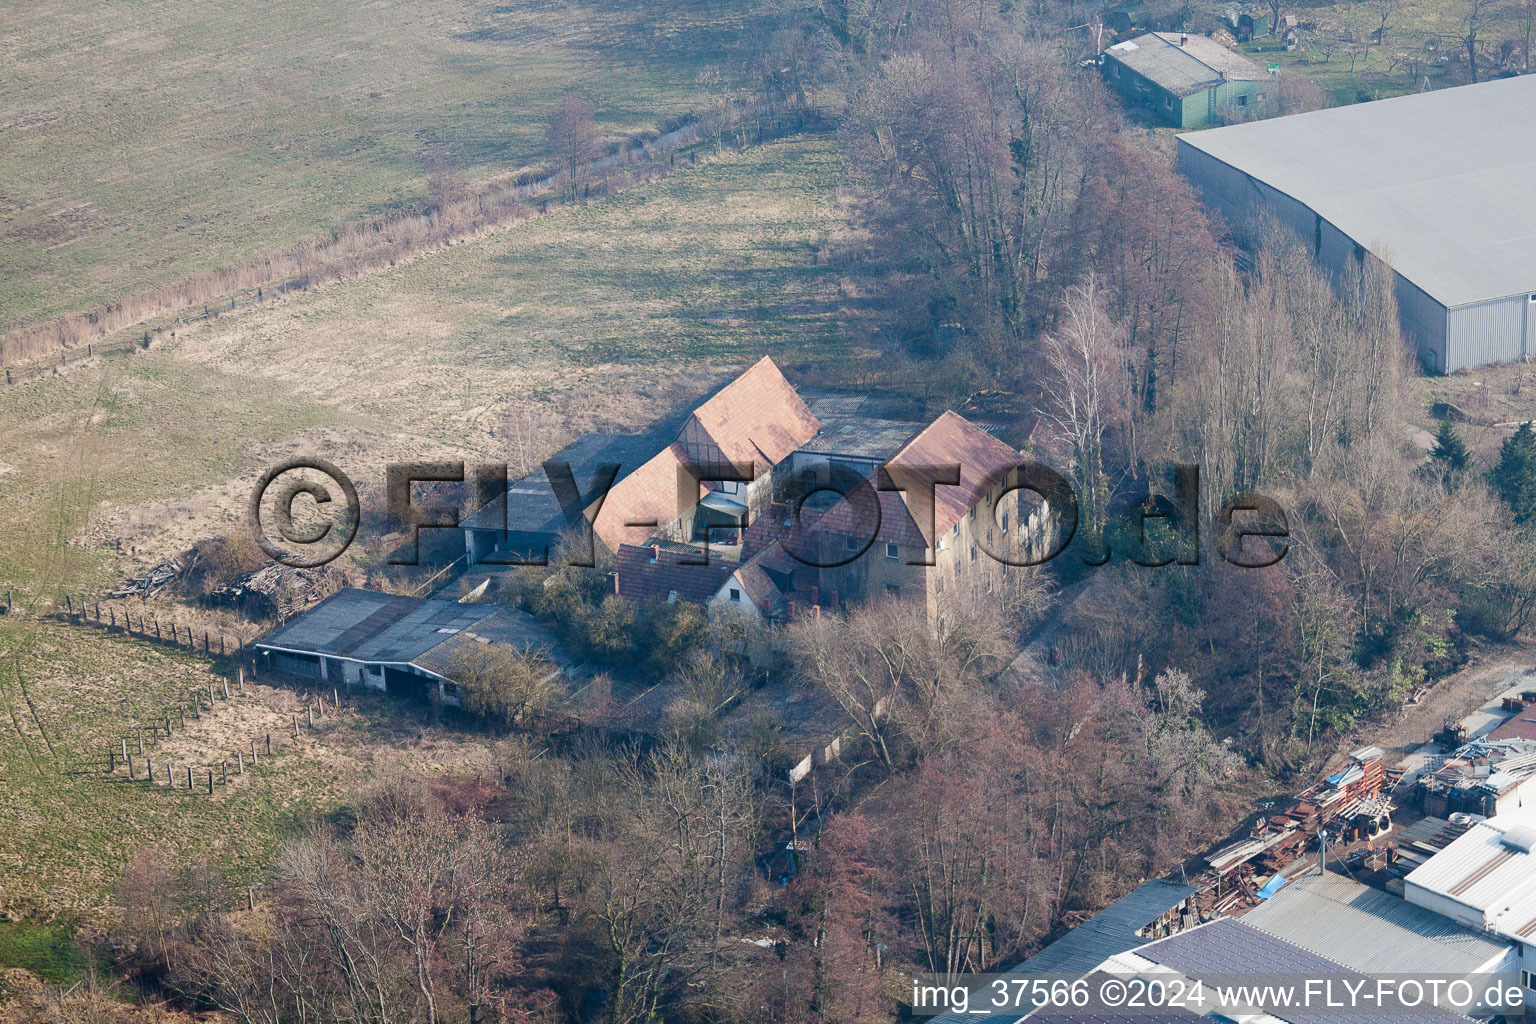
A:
1188	81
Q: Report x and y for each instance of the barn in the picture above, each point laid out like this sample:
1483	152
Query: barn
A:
403	645
1441	186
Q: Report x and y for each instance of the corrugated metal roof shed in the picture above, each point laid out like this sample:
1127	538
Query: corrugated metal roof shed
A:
1369	930
508	627
1110	931
368	626
1483	871
1200	63
1438	184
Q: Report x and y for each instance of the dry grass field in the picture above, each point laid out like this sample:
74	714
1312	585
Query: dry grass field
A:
143	140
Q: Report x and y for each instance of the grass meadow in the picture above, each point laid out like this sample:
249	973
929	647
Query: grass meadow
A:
144	140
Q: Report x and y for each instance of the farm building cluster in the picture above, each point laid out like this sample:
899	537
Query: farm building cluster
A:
830	507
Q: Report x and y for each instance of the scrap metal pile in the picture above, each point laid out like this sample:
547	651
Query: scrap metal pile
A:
1350	804
1477	778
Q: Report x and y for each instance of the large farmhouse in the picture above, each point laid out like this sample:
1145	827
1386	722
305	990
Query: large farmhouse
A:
1440	185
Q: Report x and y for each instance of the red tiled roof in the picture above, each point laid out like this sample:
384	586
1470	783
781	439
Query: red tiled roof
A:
758	418
642	502
640	579
948	440
760	589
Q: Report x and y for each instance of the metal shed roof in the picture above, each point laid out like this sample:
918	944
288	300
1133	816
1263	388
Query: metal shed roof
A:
377	628
530	505
1110	931
366	625
1441	185
1196	65
1369	930
1483	871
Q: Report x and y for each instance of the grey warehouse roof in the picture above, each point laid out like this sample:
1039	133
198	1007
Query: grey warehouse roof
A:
1227	947
1197	65
1441	185
1369	930
368	626
1110	931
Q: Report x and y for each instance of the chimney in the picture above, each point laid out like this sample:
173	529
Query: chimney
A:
655	553
1183	40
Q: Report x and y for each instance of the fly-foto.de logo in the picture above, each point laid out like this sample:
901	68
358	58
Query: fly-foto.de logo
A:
305	512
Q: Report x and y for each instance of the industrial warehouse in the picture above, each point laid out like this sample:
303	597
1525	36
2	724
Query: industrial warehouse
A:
1438	185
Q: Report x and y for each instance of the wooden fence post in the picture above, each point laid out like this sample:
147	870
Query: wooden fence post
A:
225	683
210	782
111	761
269	744
254	759
130	766
149	769
182	713
240	758
295	726
224	766
189	778
125	745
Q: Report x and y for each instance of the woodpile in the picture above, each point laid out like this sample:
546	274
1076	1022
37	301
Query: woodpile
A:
278	591
155	580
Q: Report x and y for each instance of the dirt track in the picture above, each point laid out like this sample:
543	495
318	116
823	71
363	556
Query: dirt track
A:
1491	671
